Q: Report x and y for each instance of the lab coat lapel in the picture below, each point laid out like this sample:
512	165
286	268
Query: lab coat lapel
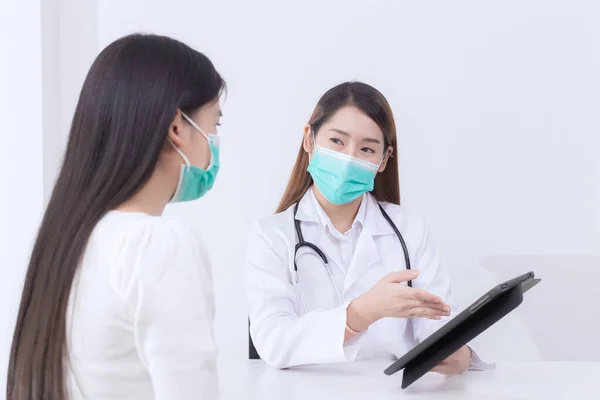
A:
365	258
306	210
314	232
364	268
331	250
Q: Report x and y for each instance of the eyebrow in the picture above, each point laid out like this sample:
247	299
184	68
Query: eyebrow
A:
368	140
220	113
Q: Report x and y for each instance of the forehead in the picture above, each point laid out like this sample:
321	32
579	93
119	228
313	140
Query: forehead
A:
355	122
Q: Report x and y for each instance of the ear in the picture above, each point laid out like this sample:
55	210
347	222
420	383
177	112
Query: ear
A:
176	130
389	153
307	143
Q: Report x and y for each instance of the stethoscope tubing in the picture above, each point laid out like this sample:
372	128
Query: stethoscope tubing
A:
303	243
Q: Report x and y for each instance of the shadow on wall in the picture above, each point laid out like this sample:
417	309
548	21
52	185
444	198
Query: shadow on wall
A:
561	313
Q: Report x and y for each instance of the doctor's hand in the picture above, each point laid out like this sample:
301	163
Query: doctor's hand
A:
387	298
456	364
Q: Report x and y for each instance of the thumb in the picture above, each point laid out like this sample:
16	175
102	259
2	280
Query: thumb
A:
401	276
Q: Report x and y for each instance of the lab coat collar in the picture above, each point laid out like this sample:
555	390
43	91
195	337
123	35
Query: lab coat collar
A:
366	254
306	209
324	219
368	215
363	270
375	224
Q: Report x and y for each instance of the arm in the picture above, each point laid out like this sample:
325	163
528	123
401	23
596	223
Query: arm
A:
285	339
170	300
281	336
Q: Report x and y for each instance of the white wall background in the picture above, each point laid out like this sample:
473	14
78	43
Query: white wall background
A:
496	106
21	170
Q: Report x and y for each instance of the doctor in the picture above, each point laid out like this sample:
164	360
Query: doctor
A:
327	274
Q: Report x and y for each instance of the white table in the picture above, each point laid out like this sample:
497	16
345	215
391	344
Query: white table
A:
365	380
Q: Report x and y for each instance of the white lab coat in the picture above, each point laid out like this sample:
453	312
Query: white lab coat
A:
285	336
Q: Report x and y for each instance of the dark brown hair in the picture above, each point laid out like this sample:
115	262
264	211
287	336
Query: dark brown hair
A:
128	101
370	101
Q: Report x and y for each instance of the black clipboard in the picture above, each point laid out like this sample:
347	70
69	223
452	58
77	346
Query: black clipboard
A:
479	316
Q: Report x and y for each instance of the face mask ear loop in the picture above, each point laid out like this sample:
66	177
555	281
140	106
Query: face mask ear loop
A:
192	123
178	150
383	158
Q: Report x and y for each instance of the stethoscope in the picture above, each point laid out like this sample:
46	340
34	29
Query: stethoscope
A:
303	243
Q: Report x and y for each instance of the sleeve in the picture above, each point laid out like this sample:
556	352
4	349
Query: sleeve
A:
167	288
434	279
282	338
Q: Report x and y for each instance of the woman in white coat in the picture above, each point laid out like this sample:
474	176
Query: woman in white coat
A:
354	299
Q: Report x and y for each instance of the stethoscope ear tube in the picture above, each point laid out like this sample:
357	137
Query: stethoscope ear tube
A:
399	235
302	242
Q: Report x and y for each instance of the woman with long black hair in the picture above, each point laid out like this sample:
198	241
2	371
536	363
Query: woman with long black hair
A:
117	301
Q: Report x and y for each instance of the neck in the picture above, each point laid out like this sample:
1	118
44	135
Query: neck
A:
341	215
154	195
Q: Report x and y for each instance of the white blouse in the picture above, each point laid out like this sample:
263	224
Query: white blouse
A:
139	323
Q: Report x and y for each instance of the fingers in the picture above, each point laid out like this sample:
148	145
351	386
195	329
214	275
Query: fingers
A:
427	312
423	295
440	368
456	364
425	299
445	370
418	308
401	276
446	367
442	308
414	302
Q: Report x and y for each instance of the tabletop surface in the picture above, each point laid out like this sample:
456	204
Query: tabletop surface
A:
365	380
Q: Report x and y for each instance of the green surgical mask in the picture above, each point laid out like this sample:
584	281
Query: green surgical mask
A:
340	177
194	182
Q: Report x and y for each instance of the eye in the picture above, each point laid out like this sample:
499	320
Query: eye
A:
336	141
367	150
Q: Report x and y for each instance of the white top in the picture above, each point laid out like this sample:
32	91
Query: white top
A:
346	241
286	336
141	312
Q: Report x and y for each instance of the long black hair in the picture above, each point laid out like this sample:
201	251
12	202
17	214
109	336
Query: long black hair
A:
128	101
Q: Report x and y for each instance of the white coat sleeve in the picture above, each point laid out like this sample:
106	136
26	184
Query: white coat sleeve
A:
434	279
282	338
167	288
